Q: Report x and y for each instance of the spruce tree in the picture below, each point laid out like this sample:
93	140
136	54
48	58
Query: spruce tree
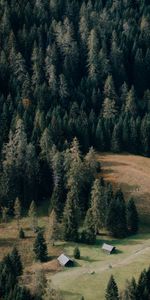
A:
112	290
76	253
21	234
142	291
40	247
70	218
32	213
132	217
116	222
88	235
98	205
16	262
130	292
53	227
17	211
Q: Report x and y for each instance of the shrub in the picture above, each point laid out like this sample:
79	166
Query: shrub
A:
76	253
21	234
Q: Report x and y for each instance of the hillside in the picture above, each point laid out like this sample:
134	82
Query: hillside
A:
70	69
132	174
74	91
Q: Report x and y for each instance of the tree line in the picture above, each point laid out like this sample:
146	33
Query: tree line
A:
135	290
81	203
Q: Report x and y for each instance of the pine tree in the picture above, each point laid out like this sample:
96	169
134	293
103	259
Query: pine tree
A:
98	205
88	234
130	106
20	293
32	213
130	292
109	109
116	139
93	50
53	227
17	211
21	234
132	217
70	218
142	292
40	247
16	262
116	223
76	253
112	290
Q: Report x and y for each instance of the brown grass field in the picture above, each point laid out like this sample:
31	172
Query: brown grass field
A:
132	174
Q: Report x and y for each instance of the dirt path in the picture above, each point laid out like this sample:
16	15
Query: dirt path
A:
80	271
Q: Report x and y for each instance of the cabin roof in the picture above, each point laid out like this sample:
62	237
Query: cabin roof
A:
108	247
64	259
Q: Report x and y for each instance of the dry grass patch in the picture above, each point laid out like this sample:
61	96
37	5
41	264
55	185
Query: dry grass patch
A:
132	174
9	239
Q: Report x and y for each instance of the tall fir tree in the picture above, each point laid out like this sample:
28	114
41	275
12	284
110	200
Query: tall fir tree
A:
132	217
40	247
112	290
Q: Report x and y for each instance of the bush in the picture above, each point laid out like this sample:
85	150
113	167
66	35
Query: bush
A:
76	253
21	234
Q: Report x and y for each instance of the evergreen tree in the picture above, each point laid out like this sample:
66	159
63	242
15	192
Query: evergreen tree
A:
40	247
76	253
98	205
16	262
112	290
88	234
130	106
130	292
93	50
17	211
142	291
32	213
116	218
53	226
132	217
21	234
70	218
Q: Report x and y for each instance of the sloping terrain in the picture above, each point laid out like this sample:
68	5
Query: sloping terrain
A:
132	174
89	278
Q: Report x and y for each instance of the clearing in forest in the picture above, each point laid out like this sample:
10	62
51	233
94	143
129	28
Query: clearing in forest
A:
132	174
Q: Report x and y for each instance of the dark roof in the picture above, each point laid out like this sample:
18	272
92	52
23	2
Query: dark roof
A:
64	259
108	248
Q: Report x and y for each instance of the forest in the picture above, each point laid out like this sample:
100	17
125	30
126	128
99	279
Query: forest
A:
69	69
74	81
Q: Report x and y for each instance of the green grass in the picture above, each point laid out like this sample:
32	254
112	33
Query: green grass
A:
132	257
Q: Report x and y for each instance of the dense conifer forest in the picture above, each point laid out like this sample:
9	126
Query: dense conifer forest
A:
69	68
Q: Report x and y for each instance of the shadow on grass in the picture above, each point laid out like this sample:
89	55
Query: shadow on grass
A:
8	242
68	293
76	263
88	259
113	163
